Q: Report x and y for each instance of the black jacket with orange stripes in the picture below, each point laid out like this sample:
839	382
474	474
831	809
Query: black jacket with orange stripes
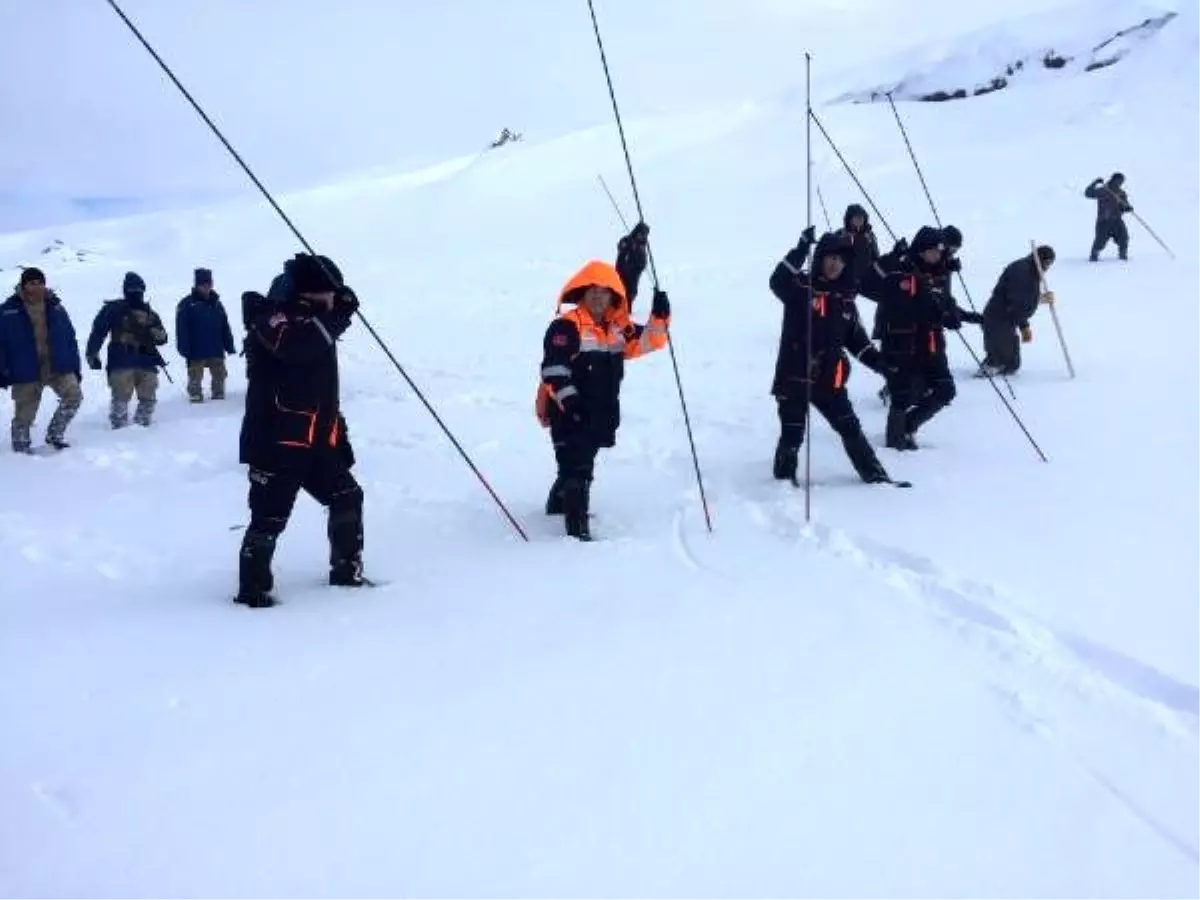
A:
915	309
583	360
292	395
836	326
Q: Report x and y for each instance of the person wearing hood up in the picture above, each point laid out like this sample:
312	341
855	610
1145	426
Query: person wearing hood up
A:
134	332
914	315
835	329
856	228
583	363
294	436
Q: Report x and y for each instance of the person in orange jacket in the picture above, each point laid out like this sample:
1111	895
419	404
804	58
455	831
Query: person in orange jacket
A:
583	363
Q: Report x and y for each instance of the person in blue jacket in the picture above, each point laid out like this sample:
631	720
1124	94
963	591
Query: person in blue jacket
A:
203	337
135	333
38	350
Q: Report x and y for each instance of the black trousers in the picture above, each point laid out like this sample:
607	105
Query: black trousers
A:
328	481
922	389
1111	230
1001	345
835	407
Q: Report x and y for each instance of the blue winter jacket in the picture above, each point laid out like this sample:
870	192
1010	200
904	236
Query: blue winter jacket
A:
133	345
202	327
18	347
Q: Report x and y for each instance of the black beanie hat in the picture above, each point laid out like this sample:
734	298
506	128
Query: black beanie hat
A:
1045	254
314	274
203	276
133	283
32	274
926	238
952	236
853	210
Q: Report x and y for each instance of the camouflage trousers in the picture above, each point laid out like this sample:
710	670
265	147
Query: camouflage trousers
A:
196	367
124	383
27	398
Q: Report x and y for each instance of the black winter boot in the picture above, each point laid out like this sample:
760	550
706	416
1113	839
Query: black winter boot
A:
554	500
255	581
345	547
863	458
785	465
898	435
576	498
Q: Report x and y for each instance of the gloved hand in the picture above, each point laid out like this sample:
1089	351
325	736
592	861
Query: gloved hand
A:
661	305
94	363
1047	298
953	264
901	246
1098	181
571	410
345	302
807	236
1026	334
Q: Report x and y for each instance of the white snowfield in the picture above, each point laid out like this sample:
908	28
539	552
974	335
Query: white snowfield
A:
985	686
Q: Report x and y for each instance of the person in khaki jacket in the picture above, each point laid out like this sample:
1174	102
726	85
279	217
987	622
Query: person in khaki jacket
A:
38	350
135	333
203	337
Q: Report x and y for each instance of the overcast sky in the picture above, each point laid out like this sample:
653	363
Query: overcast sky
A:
309	89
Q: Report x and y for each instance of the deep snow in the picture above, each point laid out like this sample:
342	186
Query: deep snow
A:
983	686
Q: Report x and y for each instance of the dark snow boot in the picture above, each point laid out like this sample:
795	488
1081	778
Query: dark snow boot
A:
863	458
575	499
345	547
254	570
784	468
57	443
898	435
554	500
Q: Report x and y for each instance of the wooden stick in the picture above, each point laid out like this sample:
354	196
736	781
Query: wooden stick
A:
1037	261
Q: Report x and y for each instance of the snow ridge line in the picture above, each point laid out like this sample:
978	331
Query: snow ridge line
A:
1091	666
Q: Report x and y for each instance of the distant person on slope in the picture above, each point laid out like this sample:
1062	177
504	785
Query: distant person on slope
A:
38	350
583	364
203	337
856	228
134	332
835	329
293	433
1014	300
915	312
632	254
1111	204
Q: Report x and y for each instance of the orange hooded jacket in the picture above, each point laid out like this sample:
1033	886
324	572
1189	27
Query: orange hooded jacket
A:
575	335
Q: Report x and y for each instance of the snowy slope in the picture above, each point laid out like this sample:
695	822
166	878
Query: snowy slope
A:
984	686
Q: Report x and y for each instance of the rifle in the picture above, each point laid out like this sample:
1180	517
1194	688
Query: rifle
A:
149	346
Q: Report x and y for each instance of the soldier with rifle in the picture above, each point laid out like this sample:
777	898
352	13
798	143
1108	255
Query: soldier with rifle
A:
134	332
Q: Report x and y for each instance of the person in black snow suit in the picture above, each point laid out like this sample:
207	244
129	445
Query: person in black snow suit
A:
835	329
856	228
293	433
916	311
1111	204
1014	300
632	254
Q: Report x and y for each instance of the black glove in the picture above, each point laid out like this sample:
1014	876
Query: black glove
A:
571	410
901	246
345	302
807	236
661	306
971	318
94	363
1098	181
953	264
873	360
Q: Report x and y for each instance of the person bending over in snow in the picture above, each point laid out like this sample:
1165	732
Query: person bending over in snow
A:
134	332
38	350
1111	204
835	329
203	337
293	433
632	254
583	363
915	313
1014	300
